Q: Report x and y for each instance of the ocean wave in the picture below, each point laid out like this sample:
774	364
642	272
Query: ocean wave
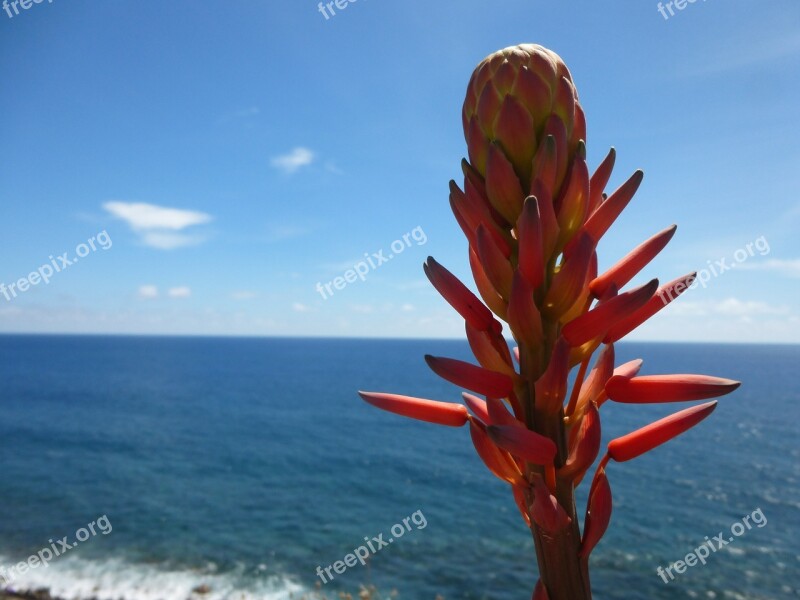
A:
114	579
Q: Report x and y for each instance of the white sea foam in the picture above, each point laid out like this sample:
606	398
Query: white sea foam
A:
112	579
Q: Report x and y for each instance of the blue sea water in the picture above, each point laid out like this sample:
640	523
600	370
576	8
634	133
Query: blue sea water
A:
244	464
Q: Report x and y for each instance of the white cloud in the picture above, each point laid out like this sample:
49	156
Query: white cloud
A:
301	308
730	307
179	292
143	216
407	307
738	308
148	291
159	226
790	267
291	162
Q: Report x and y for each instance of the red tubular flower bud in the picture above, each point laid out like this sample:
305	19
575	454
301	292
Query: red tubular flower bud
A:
668	388
594	386
523	443
440	413
564	105
498	461
599	180
555	128
502	185
663	296
545	510
487	353
598	513
545	168
547	214
523	314
471	377
458	296
531	247
477	145
627	268
605	215
645	439
598	321
573	204
551	387
522	505
477	406
569	281
500	415
471	212
584	446
485	288
488	105
495	265
515	129
462	219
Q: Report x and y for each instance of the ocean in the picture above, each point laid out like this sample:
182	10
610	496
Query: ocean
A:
232	468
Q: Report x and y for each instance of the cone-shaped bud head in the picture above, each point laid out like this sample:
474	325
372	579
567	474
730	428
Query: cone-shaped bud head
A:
515	99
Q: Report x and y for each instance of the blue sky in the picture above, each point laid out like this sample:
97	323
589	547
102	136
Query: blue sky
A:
236	154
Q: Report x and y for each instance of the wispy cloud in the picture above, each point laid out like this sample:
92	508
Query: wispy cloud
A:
179	292
159	226
294	160
790	267
148	292
301	308
729	307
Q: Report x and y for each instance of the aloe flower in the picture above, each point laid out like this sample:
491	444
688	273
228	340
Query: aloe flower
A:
533	216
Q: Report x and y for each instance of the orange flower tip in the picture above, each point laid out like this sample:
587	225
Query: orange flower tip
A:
523	443
667	388
629	369
431	411
643	440
477	406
